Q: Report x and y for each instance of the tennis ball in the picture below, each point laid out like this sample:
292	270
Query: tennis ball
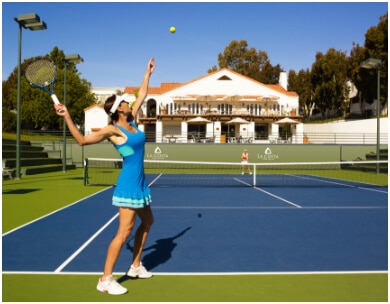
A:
172	29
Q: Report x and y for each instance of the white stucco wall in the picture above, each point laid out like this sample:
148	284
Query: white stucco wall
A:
361	131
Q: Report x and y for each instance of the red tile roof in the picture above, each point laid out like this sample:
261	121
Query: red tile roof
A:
166	87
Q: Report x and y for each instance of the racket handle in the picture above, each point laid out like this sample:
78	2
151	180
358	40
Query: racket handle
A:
56	101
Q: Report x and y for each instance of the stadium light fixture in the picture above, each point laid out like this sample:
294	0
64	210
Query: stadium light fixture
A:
33	23
75	59
373	63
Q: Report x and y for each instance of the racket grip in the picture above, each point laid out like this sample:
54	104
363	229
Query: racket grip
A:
56	101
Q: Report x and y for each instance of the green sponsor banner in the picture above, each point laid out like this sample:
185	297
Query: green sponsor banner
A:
232	153
258	153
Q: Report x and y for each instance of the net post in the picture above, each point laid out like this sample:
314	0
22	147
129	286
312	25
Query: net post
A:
254	175
85	171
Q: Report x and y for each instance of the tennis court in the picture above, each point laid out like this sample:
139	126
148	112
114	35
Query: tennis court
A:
324	226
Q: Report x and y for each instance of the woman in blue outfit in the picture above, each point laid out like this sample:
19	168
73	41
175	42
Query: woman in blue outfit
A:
131	195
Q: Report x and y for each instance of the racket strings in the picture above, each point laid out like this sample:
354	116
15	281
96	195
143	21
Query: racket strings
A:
40	73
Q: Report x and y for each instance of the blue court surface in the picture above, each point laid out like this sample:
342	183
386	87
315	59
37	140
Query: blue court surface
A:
265	229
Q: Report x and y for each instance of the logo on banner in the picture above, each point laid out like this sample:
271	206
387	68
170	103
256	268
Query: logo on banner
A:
157	154
268	155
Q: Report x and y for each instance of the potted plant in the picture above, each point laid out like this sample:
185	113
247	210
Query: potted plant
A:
293	112
163	109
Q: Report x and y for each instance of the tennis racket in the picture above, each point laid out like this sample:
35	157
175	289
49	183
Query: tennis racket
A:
42	74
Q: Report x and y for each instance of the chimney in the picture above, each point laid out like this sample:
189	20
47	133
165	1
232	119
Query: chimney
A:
283	80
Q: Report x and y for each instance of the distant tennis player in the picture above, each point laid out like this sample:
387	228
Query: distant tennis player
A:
244	162
131	193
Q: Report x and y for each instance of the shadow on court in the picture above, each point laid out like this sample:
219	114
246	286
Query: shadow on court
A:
20	191
161	252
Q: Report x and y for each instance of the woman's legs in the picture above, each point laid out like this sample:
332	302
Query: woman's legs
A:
126	224
142	232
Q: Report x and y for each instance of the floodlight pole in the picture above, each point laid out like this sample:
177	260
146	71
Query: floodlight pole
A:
378	120
33	23
18	105
373	63
74	58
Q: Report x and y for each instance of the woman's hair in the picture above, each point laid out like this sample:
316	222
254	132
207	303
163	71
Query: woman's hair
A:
107	107
114	116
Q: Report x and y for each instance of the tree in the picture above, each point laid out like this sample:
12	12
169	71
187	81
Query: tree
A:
301	84
328	77
36	105
375	46
249	62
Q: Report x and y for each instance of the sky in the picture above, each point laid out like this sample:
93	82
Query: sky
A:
117	39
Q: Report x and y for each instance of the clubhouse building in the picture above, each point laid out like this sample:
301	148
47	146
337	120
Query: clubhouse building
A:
220	107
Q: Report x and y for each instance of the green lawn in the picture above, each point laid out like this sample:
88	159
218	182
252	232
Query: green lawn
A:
229	288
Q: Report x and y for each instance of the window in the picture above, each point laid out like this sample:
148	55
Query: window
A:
261	131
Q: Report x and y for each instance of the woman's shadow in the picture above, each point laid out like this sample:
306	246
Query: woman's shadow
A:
161	252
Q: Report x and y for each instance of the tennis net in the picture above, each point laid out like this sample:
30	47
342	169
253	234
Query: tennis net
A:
162	173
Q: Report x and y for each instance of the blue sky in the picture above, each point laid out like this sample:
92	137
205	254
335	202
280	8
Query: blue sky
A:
117	39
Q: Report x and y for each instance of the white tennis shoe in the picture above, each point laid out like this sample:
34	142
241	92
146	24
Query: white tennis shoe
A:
139	272
111	286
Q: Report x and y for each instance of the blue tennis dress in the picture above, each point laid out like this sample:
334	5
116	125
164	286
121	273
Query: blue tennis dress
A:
131	188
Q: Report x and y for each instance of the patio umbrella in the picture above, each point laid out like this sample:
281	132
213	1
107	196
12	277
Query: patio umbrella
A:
205	98
198	120
233	98
237	120
287	121
180	103
267	101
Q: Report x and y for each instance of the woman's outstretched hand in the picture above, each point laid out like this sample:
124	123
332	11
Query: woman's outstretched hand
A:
151	66
61	110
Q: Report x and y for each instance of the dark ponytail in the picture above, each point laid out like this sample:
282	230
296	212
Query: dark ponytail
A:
107	107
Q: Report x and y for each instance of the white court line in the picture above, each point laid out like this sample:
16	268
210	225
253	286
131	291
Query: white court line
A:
63	265
277	197
339	183
322	180
375	190
270	194
51	213
153	181
267	207
209	273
